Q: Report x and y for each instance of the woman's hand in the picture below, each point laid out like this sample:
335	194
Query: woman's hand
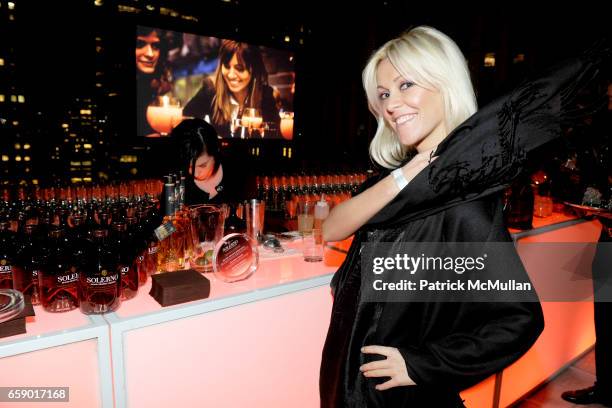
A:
393	366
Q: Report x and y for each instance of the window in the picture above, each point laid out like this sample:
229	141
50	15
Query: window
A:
489	59
128	159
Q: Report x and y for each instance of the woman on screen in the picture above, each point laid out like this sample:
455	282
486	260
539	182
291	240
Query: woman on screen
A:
152	75
240	82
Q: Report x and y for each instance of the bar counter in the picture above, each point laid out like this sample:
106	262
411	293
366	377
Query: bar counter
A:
252	343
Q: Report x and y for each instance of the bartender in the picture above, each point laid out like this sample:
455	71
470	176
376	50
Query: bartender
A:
200	160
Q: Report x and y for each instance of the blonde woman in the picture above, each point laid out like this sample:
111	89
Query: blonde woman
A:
446	166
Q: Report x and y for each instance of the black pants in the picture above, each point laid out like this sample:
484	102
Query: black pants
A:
602	282
603	346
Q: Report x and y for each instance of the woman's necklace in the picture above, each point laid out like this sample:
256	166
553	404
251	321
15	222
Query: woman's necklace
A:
209	185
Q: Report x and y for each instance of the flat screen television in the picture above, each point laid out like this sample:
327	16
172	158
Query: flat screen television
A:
245	91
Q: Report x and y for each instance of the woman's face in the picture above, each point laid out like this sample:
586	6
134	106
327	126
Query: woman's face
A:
236	75
204	167
147	52
414	113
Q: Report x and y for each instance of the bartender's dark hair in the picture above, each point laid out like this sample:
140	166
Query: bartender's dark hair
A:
195	137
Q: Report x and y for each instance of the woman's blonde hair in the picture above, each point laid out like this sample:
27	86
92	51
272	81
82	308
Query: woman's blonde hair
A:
432	60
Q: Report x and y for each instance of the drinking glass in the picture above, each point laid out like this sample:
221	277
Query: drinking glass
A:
255	212
305	216
207	222
312	246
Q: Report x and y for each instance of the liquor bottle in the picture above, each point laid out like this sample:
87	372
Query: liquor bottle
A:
59	279
272	204
104	219
77	239
43	228
138	248
184	220
90	221
7	255
28	263
259	188
122	244
63	215
171	245
179	222
100	282
146	260
233	223
152	255
519	203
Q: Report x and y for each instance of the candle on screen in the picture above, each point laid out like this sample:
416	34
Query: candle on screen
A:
165	117
286	125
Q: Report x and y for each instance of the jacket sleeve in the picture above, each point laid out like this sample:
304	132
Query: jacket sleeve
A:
484	337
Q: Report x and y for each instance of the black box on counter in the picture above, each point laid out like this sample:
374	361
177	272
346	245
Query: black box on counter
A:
17	325
172	288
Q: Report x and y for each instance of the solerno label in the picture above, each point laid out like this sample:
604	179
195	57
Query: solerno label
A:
102	280
68	277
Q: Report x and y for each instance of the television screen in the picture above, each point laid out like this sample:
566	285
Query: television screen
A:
243	90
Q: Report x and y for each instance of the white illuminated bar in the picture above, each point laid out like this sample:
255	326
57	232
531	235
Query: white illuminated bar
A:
256	342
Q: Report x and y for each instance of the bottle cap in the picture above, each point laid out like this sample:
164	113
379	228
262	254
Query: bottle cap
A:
321	210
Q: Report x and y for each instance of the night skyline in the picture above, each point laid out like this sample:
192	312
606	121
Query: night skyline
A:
61	61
